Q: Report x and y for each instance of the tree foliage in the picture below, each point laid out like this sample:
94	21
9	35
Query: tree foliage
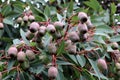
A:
61	39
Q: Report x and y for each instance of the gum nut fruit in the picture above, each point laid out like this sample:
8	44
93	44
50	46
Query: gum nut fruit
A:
73	36
89	24
82	28
68	42
115	45
25	18
72	49
42	30
31	18
34	26
52	48
19	20
51	28
21	56
29	35
30	54
52	72
119	59
59	25
0	76
12	51
117	65
101	64
1	26
82	17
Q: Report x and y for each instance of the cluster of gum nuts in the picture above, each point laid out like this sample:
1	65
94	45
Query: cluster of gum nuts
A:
57	30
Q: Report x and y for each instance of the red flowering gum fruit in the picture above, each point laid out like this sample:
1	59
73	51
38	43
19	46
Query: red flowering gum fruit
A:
72	49
68	42
21	56
52	48
1	26
73	36
31	18
89	24
114	45
102	64
30	54
25	18
82	28
52	72
51	28
29	35
42	30
34	26
117	65
58	25
0	76
12	51
82	17
19	20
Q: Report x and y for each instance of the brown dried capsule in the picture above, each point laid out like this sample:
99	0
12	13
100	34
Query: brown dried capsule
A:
34	26
12	51
73	36
21	56
101	64
52	72
51	28
82	17
30	54
114	45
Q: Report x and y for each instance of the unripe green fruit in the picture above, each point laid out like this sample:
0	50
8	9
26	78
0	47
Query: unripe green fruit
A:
72	49
82	28
30	54
82	17
31	18
58	25
42	30
12	51
19	20
101	64
26	65
52	72
117	65
34	26
1	26
52	48
0	76
21	56
114	45
73	36
85	37
57	35
51	28
25	18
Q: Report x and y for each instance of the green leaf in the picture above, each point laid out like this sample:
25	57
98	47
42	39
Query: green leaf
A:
18	8
81	60
8	20
22	33
16	41
113	8
6	9
10	64
40	69
60	50
70	7
63	63
59	17
47	11
73	58
22	76
115	38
